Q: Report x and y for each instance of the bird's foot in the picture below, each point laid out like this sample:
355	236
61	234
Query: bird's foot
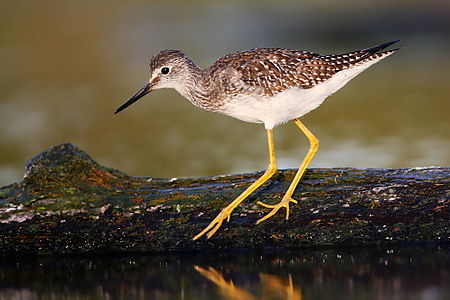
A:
216	223
283	203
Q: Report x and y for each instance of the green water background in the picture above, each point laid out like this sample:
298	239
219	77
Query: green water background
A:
67	65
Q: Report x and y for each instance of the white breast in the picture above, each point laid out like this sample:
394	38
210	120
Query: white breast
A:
292	103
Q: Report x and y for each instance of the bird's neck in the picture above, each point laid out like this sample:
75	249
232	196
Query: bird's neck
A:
200	88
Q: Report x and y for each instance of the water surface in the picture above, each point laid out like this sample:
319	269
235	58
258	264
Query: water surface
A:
66	66
389	273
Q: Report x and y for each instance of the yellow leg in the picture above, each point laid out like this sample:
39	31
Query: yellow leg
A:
287	198
226	212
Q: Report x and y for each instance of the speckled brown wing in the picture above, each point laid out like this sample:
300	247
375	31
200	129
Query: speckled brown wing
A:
274	70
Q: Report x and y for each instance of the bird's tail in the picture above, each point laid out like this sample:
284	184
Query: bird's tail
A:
378	48
372	53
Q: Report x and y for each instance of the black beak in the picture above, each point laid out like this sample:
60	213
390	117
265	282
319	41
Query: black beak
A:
142	92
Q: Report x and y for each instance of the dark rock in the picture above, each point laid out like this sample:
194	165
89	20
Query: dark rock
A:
69	204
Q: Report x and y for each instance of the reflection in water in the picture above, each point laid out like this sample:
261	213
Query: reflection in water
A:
270	286
226	288
276	286
409	273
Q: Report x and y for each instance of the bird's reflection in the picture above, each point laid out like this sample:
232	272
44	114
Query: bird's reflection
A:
226	288
271	286
274	285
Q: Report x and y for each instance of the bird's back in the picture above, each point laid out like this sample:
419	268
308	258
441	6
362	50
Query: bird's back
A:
273	85
274	70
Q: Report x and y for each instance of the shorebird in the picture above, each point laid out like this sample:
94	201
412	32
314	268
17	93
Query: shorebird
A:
263	85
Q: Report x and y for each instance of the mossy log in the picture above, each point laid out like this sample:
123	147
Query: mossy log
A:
69	204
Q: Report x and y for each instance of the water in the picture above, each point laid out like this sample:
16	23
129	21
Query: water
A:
390	273
66	66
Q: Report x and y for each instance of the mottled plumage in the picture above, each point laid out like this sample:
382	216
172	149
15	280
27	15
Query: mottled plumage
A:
275	70
263	85
250	84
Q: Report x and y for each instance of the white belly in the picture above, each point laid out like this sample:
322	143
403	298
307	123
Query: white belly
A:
274	111
289	104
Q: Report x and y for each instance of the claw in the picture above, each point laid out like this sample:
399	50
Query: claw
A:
226	212
215	224
275	208
265	205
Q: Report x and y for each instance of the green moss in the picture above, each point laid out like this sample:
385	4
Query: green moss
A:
83	206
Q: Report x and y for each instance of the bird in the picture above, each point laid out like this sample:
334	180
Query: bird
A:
270	86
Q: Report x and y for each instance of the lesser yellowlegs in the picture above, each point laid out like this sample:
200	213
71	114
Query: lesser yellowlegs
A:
264	85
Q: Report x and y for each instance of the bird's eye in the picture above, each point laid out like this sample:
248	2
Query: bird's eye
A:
165	70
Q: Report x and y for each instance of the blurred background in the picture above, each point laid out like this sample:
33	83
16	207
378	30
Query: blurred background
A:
67	65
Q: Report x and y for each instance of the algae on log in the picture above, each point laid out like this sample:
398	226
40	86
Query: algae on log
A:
68	203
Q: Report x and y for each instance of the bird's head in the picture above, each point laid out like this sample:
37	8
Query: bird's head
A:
168	69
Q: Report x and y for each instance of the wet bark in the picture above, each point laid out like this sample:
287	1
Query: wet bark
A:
69	204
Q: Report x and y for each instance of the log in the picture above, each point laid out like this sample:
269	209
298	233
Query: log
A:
69	204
